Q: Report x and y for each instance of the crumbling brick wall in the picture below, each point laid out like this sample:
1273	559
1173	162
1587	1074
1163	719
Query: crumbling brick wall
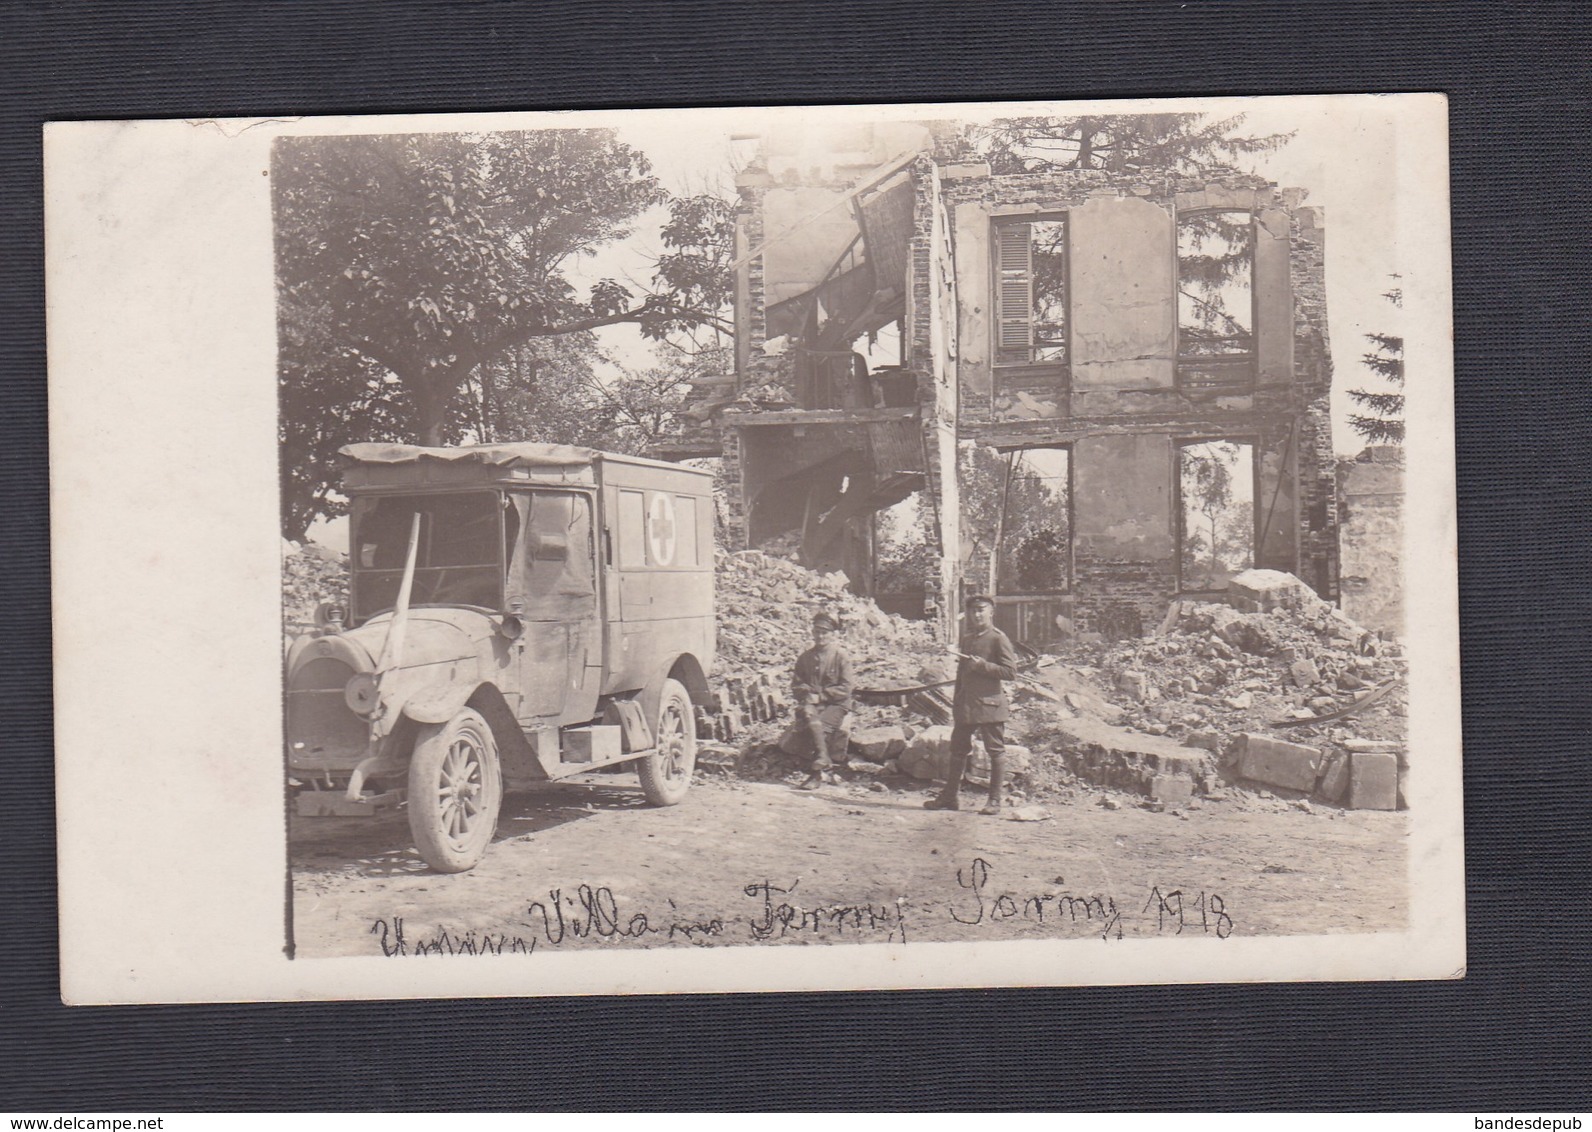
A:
1371	507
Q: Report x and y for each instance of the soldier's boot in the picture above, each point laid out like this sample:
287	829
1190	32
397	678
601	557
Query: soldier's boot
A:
997	785
949	798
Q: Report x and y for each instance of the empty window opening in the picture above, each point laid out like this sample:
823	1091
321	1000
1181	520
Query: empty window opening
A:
1216	485
1031	291
905	557
1216	299
1034	551
1017	519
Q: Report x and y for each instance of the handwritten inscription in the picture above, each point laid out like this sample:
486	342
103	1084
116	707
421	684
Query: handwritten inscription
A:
594	913
1175	911
777	921
1099	911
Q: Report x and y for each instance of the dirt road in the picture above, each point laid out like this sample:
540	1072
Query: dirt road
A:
583	865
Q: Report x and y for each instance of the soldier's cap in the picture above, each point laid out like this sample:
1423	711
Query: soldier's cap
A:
824	621
974	600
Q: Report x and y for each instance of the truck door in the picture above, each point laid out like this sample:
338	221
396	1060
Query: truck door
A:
561	663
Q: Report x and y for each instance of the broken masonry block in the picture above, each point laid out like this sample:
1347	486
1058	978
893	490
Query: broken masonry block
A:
1374	781
928	753
1277	762
1205	740
1261	591
1172	790
1305	673
1134	684
1019	763
1373	746
1334	778
876	744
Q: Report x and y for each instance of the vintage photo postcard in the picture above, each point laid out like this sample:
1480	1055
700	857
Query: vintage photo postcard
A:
761	549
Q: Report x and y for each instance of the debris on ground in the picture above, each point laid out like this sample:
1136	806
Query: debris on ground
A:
1191	712
311	574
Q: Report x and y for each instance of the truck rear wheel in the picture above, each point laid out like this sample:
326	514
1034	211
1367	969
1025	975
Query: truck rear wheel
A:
666	773
455	792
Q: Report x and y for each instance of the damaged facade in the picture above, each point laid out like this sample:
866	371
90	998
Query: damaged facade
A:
1103	393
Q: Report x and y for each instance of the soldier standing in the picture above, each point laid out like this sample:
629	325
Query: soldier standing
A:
979	707
821	685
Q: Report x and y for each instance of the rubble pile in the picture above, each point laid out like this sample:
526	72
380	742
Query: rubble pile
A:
1249	681
311	574
765	611
1217	668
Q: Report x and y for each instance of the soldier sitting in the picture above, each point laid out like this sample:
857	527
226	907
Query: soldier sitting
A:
821	685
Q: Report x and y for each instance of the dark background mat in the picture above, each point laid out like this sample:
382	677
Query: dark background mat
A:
1512	1036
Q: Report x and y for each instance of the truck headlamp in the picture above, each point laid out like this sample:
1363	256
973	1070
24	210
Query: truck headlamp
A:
360	694
510	627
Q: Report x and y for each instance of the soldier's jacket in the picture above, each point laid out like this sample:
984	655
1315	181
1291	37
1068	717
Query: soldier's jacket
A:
824	673
980	695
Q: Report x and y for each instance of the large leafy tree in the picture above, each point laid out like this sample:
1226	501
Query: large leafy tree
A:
408	262
1383	419
1122	143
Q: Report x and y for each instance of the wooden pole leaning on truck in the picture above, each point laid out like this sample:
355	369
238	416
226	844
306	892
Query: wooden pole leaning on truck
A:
392	656
392	648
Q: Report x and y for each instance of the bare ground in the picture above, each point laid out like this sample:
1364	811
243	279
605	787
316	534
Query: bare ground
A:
590	865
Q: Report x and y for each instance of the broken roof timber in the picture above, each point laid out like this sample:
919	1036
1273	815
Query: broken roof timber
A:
818	416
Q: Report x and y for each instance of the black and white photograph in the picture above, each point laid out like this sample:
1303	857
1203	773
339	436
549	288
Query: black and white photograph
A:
770	549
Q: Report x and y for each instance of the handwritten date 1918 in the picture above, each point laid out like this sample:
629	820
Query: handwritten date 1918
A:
1175	910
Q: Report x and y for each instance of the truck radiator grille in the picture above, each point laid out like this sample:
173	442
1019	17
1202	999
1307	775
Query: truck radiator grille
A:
321	732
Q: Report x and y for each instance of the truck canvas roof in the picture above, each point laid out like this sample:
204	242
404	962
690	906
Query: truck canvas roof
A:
367	462
522	455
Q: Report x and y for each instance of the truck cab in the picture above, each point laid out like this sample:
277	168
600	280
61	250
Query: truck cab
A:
517	613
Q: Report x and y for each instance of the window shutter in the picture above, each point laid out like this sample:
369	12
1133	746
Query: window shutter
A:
1014	302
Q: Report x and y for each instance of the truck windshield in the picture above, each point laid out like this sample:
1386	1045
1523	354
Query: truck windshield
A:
461	552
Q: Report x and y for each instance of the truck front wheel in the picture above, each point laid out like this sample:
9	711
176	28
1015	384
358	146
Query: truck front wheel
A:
666	773
455	792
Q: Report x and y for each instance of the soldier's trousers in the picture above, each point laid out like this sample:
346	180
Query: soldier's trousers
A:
993	734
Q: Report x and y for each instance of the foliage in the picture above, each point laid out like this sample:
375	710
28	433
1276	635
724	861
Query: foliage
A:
904	558
408	262
1225	544
696	272
646	404
1383	421
1215	258
1010	503
1126	143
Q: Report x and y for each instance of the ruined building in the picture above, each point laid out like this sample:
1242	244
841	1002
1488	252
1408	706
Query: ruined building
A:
1085	392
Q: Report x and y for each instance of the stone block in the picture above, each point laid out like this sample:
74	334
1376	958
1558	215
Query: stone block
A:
1019	762
1305	673
1334	778
1242	633
1374	781
876	744
1373	746
1277	762
1172	790
1205	740
1261	591
1135	685
928	753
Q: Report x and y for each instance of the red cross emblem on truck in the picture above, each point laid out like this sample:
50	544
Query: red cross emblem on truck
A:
661	528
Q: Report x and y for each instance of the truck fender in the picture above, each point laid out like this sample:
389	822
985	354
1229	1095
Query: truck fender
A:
688	671
440	704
